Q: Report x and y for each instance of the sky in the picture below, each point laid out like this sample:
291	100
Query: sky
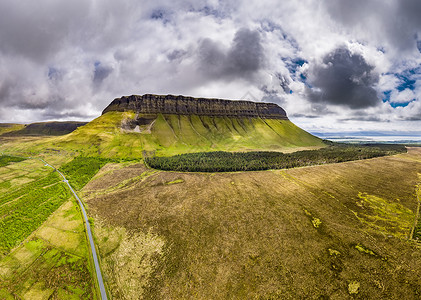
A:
333	65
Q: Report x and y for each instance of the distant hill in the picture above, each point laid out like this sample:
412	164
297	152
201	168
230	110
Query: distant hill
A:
9	127
42	128
135	126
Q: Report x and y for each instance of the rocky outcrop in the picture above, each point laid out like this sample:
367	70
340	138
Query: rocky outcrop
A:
181	105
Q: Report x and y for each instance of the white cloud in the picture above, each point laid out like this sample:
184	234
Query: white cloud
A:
68	60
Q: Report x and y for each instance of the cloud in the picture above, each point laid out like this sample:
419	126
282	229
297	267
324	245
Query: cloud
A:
69	59
244	57
395	22
345	79
101	72
36	30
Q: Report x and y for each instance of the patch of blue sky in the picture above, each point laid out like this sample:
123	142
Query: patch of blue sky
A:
386	99
53	73
408	78
402	104
386	96
160	15
293	65
209	11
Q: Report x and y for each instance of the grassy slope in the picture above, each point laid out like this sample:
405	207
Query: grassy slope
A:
172	134
337	231
46	128
9	127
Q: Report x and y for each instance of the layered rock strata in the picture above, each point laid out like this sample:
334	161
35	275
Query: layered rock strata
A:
181	105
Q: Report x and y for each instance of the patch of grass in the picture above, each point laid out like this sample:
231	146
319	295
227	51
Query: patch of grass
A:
353	287
314	221
385	216
333	252
365	250
138	253
175	181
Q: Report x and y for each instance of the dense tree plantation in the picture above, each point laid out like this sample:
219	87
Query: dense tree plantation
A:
220	161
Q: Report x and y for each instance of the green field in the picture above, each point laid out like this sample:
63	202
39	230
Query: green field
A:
81	169
43	248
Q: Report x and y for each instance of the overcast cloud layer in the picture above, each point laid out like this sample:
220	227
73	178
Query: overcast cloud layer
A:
332	64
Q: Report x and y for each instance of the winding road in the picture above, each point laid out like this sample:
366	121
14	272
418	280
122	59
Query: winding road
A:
88	230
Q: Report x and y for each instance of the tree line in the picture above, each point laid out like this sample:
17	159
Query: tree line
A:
220	161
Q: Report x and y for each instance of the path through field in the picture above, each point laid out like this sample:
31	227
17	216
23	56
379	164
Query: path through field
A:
88	230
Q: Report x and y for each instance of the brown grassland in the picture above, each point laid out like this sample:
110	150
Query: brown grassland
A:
338	231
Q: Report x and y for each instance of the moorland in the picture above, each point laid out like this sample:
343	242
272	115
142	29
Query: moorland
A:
342	224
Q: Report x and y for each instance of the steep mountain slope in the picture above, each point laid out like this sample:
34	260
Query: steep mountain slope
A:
109	135
133	127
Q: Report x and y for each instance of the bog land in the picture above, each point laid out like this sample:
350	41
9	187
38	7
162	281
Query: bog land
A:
340	231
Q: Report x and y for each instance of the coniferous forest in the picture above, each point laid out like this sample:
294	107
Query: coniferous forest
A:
220	161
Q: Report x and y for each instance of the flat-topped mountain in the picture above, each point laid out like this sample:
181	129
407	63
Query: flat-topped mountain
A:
135	126
182	105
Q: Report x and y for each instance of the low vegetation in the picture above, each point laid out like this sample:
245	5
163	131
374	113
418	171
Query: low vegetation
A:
26	209
6	159
9	127
53	263
81	169
43	248
334	231
220	161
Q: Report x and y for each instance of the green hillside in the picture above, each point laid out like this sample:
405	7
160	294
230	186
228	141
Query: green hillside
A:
10	127
111	135
41	128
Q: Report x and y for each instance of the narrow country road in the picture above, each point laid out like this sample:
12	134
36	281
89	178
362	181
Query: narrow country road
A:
88	230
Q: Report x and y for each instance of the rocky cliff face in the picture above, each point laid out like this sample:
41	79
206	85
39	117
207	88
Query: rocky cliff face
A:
181	105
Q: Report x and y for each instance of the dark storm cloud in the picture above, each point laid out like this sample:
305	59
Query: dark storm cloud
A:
100	73
177	54
5	90
37	29
305	116
244	57
364	118
398	22
344	79
272	95
54	74
59	115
